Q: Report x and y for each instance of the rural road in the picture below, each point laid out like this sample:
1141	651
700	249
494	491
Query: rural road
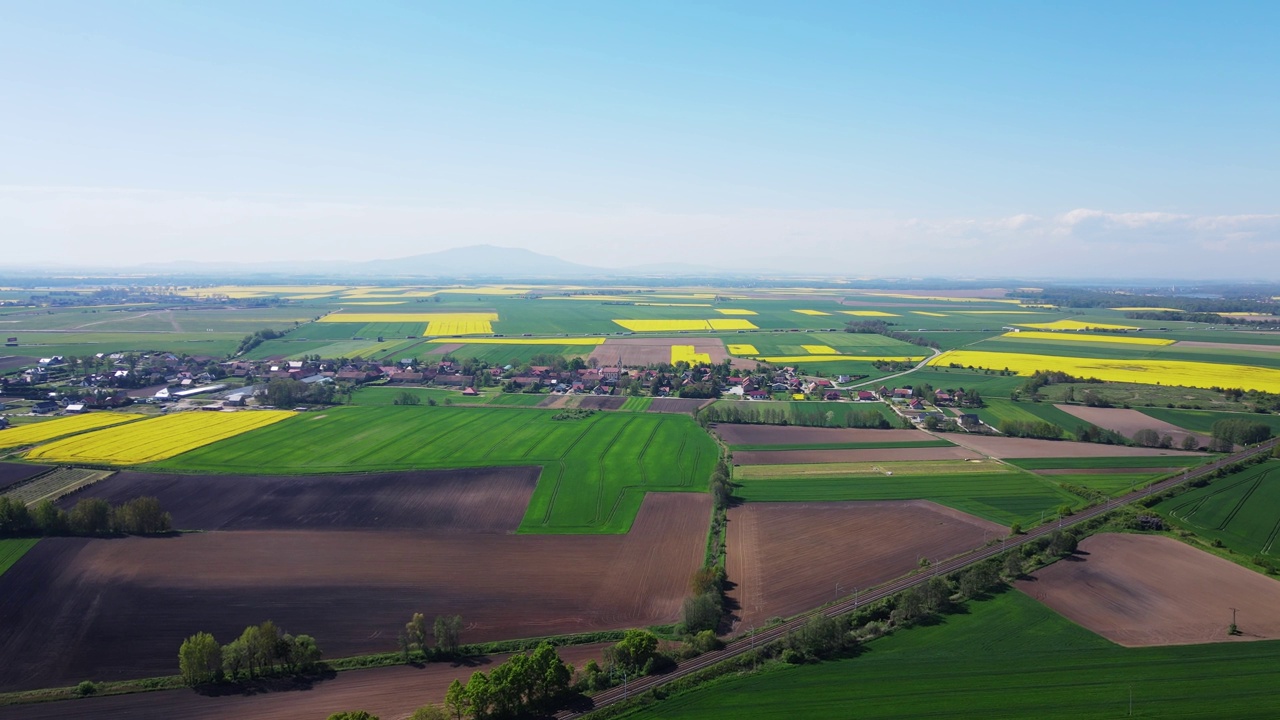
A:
741	644
919	365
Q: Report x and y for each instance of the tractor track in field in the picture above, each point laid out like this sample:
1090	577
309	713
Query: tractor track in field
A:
744	643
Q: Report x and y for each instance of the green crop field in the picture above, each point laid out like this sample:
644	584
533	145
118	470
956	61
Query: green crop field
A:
1007	657
1201	421
507	354
12	549
595	470
1004	497
998	410
637	404
1241	510
1090	463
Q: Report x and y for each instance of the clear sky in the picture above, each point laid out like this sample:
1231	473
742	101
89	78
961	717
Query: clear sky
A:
942	138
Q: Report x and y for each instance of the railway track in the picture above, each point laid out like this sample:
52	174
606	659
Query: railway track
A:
746	643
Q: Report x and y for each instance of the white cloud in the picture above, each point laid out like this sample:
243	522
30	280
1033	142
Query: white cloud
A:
87	226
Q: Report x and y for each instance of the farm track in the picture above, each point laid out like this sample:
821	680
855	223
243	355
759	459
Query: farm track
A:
742	644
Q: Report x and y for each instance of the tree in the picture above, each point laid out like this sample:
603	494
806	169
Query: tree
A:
353	715
447	630
415	632
636	649
14	518
406	398
1147	437
90	516
49	519
1013	566
429	712
1189	442
302	653
235	658
479	695
200	659
457	700
701	612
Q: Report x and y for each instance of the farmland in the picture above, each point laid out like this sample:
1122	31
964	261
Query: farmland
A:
1006	657
596	470
12	549
39	432
155	438
1241	510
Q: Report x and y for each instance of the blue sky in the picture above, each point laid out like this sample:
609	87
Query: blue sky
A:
889	138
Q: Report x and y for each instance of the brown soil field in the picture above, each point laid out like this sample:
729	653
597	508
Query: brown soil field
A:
793	435
554	401
1139	590
686	406
13	362
788	557
602	402
1228	346
391	693
652	351
473	500
1127	422
76	608
1007	447
444	348
797	457
1108	471
14	473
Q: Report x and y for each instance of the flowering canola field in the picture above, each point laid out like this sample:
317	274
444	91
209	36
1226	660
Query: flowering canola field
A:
869	313
820	350
1182	373
523	341
1076	325
686	354
685	325
1074	337
742	349
156	438
811	312
437	323
41	431
797	359
733	311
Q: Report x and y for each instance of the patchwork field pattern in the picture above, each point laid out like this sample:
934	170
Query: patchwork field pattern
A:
39	432
685	325
1150	372
155	438
1077	337
1242	510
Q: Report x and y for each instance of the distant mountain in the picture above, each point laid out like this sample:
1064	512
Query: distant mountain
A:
487	260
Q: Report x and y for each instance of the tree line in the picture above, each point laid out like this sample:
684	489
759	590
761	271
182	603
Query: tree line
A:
89	516
833	415
880	327
261	650
527	684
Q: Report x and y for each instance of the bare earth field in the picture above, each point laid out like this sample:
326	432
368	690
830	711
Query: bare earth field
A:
474	500
14	473
1141	590
686	406
1007	447
391	693
112	609
787	557
734	434
1128	422
795	457
443	348
653	351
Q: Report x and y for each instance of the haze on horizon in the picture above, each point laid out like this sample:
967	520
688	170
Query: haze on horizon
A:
990	139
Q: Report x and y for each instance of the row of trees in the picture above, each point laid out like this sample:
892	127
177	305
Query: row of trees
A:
1030	429
880	327
260	650
525	685
447	631
1240	431
833	415
90	516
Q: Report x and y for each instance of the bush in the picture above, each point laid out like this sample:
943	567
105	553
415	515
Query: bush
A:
791	657
86	688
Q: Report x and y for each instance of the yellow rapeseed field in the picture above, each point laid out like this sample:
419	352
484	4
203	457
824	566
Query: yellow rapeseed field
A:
1182	373
794	359
156	438
685	325
1076	325
820	350
686	353
944	298
811	312
869	313
731	311
1076	337
930	314
40	431
742	349
524	341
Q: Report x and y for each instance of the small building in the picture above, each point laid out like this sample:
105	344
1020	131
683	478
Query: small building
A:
831	395
75	409
469	392
44	406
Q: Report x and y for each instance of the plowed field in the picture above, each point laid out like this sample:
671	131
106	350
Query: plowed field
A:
1007	447
788	557
1149	590
734	434
14	473
1127	422
796	457
113	609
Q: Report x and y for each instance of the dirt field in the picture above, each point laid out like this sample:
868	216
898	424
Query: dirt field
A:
111	609
1007	447
686	406
632	352
787	557
791	435
14	473
1149	590
11	362
795	457
391	693
602	402
475	500
1128	422
443	348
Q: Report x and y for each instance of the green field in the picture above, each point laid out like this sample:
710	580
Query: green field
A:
848	446
1008	657
1241	510
386	395
12	549
1090	463
1201	421
637	404
1003	496
999	410
596	470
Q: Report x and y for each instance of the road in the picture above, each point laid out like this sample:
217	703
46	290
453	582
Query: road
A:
744	644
